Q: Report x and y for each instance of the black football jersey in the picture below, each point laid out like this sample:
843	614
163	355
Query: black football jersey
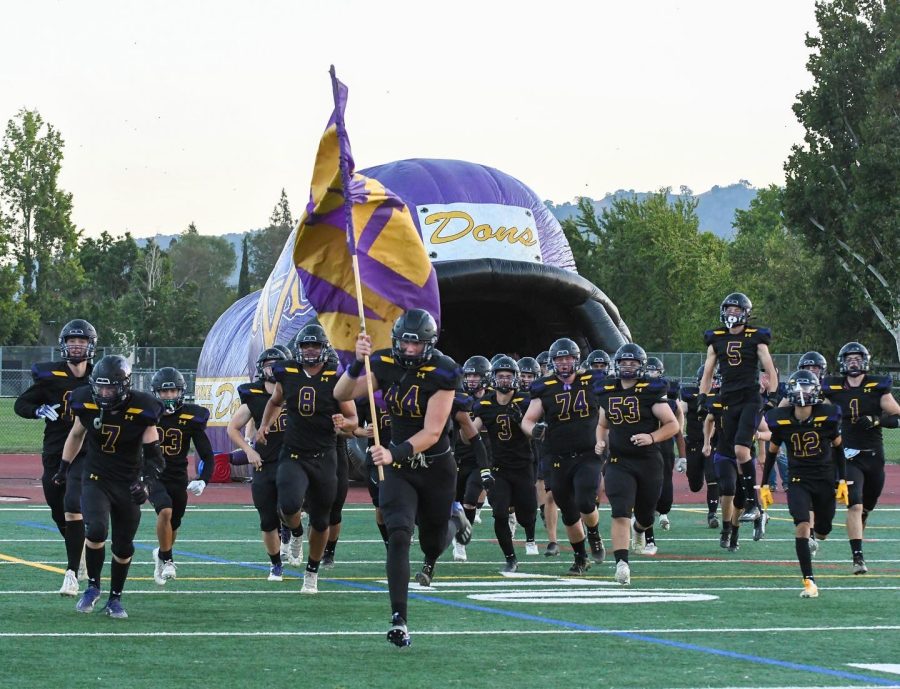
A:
510	447
737	356
630	411
693	416
310	404
176	432
864	400
52	383
808	442
254	395
570	411
406	393
462	451
364	414
115	438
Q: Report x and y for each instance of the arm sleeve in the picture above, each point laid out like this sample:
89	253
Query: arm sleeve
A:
482	458
27	403
205	453
771	458
840	462
153	461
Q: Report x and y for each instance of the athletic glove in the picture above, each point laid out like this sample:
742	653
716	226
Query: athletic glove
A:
681	465
515	413
196	487
771	400
867	423
842	494
47	411
487	479
539	431
138	493
703	401
62	473
765	497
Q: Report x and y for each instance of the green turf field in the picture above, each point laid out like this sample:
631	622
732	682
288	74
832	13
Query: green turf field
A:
694	615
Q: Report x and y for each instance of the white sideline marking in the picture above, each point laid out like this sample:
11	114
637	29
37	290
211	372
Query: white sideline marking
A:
617	595
891	668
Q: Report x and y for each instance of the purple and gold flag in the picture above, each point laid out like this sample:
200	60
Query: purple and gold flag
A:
395	272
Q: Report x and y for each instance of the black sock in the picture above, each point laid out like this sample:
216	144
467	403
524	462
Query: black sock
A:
470	514
734	534
118	572
93	560
621	555
74	544
865	517
748	480
165	555
511	558
594	530
276	558
856	547
298	532
382	529
529	530
312	566
648	535
804	557
330	547
579	548
504	538
397	567
479	505
712	498
726	528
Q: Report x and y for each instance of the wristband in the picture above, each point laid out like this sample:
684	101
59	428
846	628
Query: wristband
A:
402	452
355	369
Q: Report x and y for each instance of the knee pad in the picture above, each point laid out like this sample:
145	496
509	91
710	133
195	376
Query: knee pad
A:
72	504
318	522
645	519
176	522
336	516
272	523
123	551
286	509
95	532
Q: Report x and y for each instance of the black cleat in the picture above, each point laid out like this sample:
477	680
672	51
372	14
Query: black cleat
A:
598	552
759	526
398	634
552	549
580	566
464	530
859	565
734	547
712	521
511	566
425	575
724	539
751	514
327	561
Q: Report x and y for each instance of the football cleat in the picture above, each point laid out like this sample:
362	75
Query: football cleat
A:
285	535
552	549
398	634
295	550
310	582
158	568
810	590
459	552
168	570
276	573
464	531
88	599
327	561
82	568
477	519
638	541
623	573
580	566
712	521
114	609
724	539
664	522
734	546
859	565
424	575
759	526
531	548
512	525
598	552
650	549
813	545
751	513
511	566
70	584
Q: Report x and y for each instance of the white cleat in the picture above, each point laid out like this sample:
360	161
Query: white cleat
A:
70	584
664	522
310	582
295	550
650	549
477	519
810	590
158	568
531	548
512	525
623	573
813	546
168	570
638	541
459	552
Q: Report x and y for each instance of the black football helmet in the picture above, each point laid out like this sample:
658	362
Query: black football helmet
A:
275	353
111	382
804	389
478	368
598	359
564	347
508	364
740	300
310	334
716	379
858	369
543	359
812	360
654	365
630	352
531	369
496	357
168	378
415	325
77	328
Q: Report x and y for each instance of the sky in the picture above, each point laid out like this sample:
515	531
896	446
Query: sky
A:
179	112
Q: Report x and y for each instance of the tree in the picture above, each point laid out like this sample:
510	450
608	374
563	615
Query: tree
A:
205	262
266	245
18	323
38	213
650	257
841	191
244	276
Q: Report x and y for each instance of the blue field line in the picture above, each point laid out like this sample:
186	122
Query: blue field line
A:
565	624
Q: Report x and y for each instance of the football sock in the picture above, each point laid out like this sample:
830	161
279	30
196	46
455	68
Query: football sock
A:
579	548
398	570
621	554
856	547
804	557
74	544
275	559
165	555
93	560
504	537
118	572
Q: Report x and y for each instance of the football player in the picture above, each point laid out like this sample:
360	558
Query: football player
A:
181	424
118	423
366	430
635	418
48	399
738	350
867	406
419	471
263	457
699	467
811	431
510	479
567	401
307	465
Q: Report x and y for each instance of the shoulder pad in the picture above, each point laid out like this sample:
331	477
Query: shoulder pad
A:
485	403
885	383
764	335
48	370
711	335
654	385
199	414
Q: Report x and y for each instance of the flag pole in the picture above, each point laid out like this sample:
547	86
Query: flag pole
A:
351	241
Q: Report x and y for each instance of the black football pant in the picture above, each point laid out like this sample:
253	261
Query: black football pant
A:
634	484
109	503
264	489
